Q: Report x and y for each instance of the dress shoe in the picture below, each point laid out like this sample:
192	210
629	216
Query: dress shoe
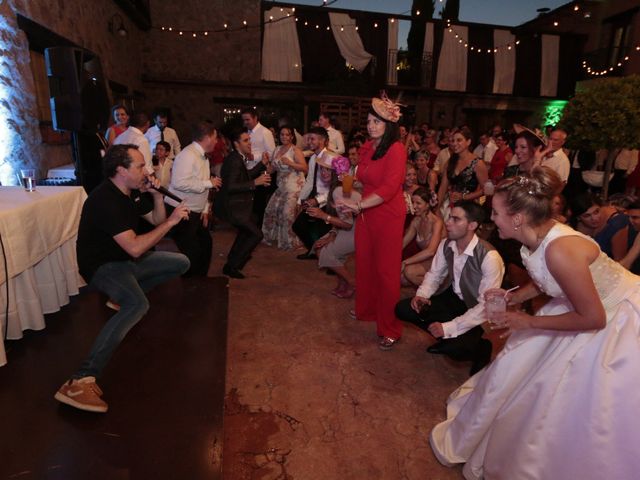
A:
482	357
232	272
439	348
307	256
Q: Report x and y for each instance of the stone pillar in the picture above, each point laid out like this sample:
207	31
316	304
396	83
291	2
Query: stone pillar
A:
20	140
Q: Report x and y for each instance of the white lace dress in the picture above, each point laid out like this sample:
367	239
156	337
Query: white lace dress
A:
555	404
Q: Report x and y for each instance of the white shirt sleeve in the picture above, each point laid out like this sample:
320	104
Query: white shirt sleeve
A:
145	149
492	273
436	274
176	148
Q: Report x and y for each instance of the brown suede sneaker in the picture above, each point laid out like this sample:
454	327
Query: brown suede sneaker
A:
82	393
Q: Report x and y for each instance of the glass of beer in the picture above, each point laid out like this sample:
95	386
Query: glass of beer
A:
347	184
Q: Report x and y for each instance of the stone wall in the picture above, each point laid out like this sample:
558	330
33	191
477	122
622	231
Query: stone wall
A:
232	56
82	22
185	73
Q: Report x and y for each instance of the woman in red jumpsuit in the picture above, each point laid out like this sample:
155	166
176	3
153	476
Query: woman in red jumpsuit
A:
380	221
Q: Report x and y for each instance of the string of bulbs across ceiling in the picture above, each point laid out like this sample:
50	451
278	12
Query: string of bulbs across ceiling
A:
288	13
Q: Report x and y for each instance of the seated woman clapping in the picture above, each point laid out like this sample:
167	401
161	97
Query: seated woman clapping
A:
427	229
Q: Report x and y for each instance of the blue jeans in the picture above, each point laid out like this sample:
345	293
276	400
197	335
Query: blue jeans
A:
126	283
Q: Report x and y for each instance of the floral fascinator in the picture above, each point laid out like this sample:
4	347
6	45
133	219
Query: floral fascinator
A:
386	108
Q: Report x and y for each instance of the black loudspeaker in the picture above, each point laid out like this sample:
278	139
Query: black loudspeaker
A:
79	100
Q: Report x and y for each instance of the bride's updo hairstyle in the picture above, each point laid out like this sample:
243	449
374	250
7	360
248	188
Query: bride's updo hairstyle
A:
531	194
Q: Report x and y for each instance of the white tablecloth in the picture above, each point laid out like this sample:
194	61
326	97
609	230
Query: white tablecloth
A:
39	231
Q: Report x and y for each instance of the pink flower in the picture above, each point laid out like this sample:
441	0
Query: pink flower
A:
341	165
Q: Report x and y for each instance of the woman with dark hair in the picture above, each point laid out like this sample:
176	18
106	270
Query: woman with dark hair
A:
608	227
121	123
500	159
426	229
380	220
414	143
290	164
556	401
465	175
528	153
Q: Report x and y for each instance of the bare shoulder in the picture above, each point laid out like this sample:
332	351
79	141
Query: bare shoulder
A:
570	252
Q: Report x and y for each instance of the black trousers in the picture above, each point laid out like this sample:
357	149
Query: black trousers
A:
194	241
309	229
444	307
248	238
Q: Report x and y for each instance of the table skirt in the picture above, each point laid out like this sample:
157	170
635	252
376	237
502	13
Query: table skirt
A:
39	290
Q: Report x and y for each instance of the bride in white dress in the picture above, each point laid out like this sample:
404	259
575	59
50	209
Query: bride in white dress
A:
562	399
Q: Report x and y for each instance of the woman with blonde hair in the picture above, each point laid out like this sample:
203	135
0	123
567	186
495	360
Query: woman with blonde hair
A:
557	400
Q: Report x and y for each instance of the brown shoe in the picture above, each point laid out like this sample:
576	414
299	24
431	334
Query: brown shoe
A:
82	393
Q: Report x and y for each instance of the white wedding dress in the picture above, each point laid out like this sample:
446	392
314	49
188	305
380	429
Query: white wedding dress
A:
555	404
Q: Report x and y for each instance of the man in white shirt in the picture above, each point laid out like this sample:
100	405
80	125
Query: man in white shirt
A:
191	180
261	138
162	132
486	148
449	303
134	135
336	142
262	143
556	159
314	193
442	158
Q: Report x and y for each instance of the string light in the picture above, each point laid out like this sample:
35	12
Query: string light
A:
475	48
597	72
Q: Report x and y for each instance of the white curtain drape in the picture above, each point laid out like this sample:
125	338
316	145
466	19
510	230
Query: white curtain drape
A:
281	61
452	64
349	41
549	70
505	62
392	52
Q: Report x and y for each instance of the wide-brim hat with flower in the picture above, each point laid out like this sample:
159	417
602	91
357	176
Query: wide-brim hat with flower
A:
536	133
325	160
386	108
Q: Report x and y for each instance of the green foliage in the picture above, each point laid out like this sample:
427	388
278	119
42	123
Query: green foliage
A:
605	115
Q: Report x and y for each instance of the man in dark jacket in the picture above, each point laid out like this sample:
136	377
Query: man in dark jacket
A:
234	202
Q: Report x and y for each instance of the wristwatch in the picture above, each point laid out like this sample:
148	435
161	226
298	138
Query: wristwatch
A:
327	219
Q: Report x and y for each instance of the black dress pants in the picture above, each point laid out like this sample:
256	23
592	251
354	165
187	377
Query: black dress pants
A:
194	240
444	307
248	238
309	229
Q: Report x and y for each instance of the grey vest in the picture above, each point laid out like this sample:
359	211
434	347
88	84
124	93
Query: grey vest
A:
471	272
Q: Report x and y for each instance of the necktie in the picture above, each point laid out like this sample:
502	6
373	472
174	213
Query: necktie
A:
162	134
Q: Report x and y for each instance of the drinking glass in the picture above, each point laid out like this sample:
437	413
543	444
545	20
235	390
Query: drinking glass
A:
347	184
28	178
495	302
